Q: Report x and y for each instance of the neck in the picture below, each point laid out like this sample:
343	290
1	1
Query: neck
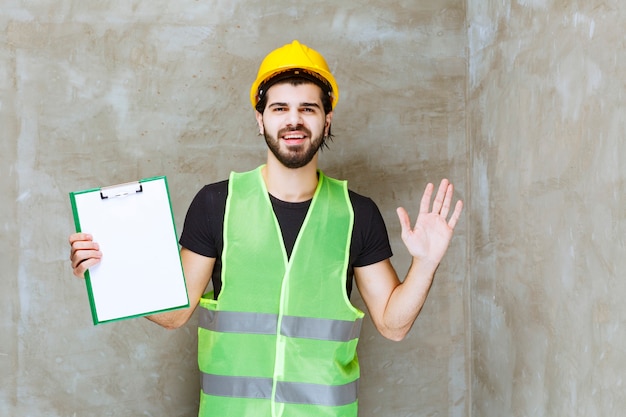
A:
288	184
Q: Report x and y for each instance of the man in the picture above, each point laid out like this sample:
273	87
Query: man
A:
281	244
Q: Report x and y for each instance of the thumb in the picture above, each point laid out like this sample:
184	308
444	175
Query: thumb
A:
405	222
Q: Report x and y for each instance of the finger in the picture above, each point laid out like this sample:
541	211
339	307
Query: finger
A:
439	198
447	200
458	208
81	256
75	237
80	269
405	222
82	245
425	203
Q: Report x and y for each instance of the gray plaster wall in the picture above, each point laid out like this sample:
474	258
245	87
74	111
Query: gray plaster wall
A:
98	93
546	119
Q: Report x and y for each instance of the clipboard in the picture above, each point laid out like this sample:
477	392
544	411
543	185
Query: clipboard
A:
140	272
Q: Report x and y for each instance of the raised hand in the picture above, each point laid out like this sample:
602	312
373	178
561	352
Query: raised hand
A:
428	240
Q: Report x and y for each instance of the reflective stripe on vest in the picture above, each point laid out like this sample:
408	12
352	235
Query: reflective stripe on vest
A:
262	323
286	392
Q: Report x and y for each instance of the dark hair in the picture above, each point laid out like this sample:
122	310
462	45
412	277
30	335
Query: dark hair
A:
296	77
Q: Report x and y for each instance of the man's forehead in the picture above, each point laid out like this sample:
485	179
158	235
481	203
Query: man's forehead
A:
302	92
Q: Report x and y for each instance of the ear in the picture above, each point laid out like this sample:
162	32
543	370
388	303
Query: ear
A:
259	121
329	119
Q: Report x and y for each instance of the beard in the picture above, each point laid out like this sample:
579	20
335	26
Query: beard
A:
294	156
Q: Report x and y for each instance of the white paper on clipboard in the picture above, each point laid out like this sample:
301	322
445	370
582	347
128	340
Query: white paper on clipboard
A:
140	272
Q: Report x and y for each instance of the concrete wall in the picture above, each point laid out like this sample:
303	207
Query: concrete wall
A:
97	93
548	213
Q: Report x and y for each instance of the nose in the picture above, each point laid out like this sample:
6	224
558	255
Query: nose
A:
294	118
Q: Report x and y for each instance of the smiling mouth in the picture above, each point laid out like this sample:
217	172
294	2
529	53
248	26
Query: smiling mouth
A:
294	137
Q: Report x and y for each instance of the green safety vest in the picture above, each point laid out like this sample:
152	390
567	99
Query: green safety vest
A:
280	340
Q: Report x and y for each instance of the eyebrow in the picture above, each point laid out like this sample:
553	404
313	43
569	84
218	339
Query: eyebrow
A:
303	104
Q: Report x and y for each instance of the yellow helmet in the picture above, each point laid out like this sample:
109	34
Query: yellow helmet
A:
294	56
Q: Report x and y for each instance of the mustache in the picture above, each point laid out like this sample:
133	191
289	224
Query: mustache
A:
298	128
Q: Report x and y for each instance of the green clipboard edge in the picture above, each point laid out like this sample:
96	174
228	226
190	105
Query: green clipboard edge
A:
92	303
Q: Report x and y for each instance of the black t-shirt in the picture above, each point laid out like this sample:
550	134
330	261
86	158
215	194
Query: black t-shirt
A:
204	224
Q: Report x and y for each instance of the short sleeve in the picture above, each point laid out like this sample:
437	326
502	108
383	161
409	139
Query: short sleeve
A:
369	239
204	220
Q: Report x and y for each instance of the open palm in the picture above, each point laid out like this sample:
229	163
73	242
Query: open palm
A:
428	240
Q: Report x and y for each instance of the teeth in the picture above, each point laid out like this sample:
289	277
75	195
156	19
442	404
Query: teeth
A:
294	137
